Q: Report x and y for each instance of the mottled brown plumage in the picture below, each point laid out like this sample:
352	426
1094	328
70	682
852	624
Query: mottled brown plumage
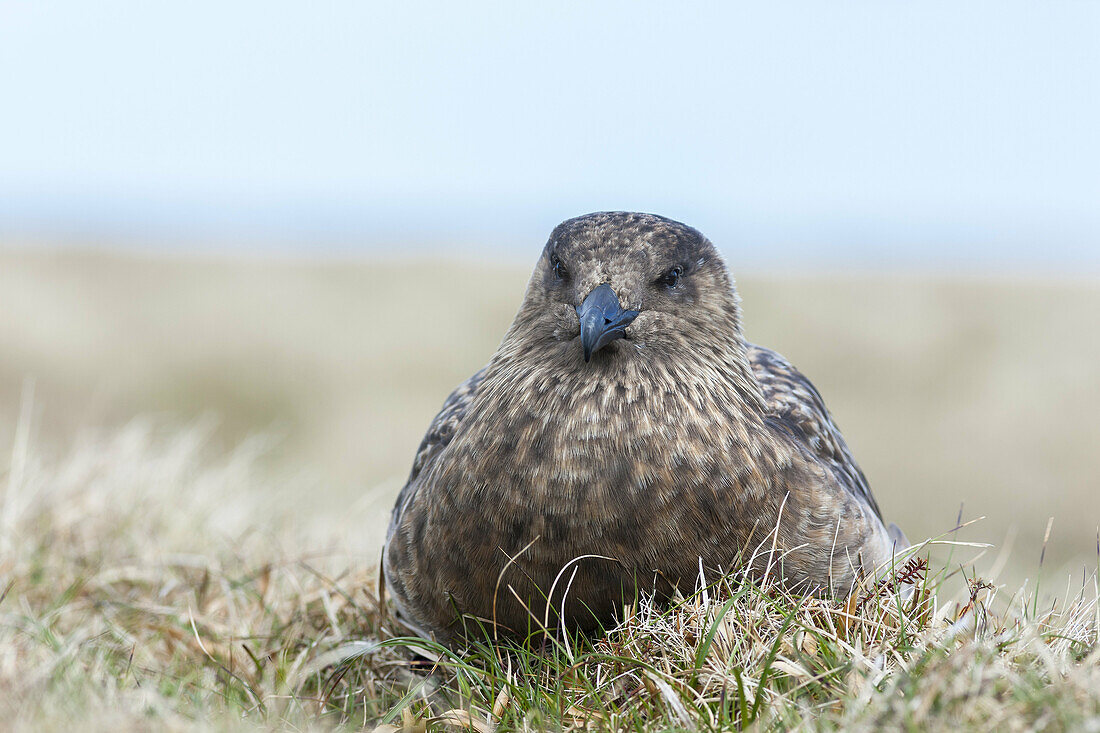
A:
656	442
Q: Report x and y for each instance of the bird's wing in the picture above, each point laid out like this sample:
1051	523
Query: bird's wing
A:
445	424
439	434
796	405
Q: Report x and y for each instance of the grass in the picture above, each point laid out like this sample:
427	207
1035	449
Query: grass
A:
157	578
150	581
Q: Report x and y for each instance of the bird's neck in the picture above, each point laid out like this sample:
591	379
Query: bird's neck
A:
713	390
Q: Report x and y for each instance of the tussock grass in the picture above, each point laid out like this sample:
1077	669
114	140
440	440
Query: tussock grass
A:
148	582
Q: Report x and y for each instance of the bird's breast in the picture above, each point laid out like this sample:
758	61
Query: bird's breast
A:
588	457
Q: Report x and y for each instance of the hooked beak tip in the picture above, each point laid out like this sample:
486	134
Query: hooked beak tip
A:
602	320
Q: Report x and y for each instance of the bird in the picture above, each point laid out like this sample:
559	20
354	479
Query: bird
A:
624	439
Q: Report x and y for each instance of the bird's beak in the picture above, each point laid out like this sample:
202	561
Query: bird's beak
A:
602	319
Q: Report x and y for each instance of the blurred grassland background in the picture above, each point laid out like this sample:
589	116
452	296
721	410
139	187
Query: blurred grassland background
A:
979	393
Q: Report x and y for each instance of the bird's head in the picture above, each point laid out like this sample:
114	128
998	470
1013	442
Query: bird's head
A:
618	283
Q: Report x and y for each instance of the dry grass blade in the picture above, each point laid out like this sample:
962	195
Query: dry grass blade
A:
463	720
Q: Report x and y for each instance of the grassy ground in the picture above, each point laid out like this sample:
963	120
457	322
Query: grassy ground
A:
178	570
151	582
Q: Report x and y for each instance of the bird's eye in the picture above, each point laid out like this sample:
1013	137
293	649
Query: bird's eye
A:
558	268
672	278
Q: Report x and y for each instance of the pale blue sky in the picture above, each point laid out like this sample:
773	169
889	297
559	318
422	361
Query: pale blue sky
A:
859	132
